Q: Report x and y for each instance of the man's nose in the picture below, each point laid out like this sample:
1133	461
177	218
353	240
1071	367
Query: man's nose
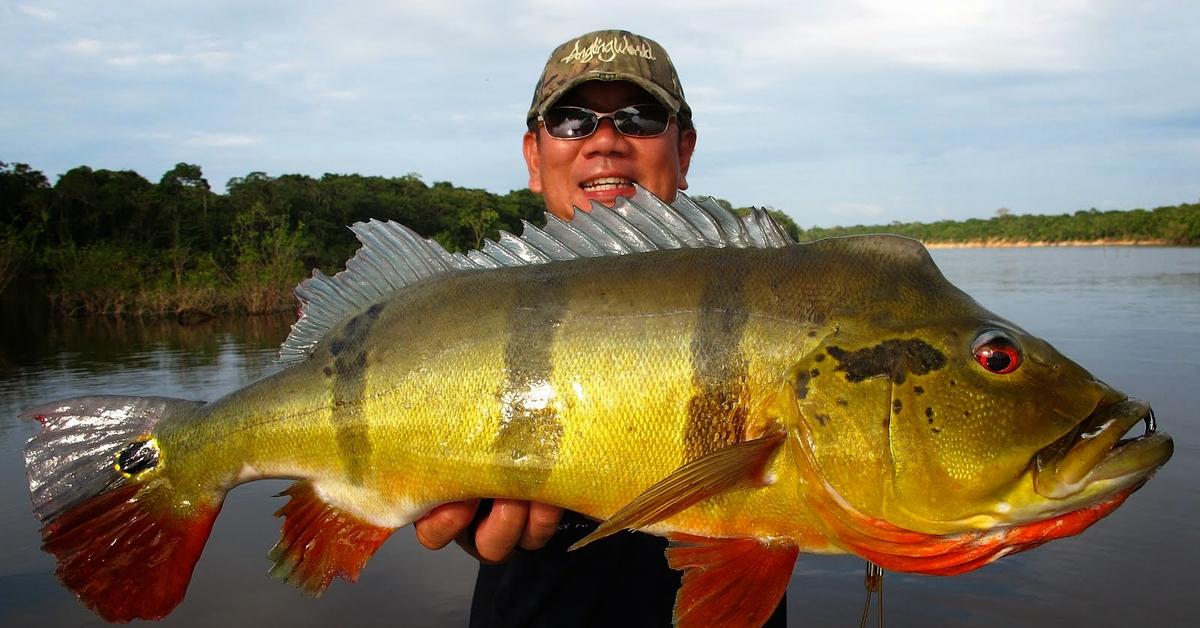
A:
606	140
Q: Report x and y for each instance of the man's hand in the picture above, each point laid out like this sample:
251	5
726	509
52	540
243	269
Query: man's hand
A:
509	524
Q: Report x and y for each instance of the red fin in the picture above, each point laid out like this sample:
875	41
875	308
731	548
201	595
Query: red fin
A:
730	468
126	553
321	542
729	582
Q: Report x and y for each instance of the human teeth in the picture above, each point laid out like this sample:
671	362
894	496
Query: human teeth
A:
606	183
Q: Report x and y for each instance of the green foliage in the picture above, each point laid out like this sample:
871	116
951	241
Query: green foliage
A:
97	279
456	217
112	242
1175	225
25	197
267	250
12	253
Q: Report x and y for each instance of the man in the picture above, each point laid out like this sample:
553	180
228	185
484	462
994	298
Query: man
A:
608	112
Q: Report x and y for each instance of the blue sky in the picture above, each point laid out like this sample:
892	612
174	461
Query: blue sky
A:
835	112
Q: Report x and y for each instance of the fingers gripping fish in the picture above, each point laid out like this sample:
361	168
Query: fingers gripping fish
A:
673	369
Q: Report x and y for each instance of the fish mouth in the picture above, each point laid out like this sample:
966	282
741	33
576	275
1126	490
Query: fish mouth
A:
1102	455
1077	480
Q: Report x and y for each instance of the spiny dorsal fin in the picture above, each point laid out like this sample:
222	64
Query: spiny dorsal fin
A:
393	256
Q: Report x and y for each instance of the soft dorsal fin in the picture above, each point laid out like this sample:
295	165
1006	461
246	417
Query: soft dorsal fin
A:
393	256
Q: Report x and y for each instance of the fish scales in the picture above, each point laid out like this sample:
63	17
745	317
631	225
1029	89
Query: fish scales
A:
749	403
620	387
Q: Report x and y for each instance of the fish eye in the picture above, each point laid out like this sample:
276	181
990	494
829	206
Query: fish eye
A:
996	352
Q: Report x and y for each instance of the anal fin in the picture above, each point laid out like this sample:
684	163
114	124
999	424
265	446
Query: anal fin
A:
738	466
321	542
729	582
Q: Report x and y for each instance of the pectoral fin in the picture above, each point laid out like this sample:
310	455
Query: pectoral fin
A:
738	466
729	582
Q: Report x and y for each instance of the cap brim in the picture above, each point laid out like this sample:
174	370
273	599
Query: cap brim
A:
667	100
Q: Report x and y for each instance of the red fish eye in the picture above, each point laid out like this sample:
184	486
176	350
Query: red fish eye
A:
996	353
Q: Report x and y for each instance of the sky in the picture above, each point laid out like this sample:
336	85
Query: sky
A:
838	113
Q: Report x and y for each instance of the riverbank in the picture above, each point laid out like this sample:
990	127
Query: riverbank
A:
264	290
1007	244
1163	226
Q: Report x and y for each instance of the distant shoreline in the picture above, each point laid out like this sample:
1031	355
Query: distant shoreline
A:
1005	244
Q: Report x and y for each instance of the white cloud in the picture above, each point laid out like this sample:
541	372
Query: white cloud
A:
964	35
94	47
868	110
133	54
342	94
160	58
41	13
221	140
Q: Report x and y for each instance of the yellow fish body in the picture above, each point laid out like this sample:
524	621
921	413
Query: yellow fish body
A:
671	369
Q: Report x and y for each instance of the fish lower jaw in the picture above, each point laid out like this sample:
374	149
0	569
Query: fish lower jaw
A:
1126	464
1090	489
1026	507
1020	506
1102	454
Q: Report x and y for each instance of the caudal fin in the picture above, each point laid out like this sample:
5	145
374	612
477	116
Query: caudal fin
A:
126	539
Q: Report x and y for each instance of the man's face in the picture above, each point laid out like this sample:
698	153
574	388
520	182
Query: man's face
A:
606	164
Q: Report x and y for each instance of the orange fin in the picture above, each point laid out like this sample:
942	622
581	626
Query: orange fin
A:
729	582
126	553
321	542
737	466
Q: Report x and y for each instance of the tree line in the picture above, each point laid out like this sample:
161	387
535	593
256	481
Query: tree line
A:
1177	225
113	242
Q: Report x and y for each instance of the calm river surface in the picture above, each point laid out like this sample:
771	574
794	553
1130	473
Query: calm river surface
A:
1130	315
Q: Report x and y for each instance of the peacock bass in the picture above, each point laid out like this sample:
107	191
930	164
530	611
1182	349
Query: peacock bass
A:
669	368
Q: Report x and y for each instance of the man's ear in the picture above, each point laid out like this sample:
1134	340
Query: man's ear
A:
533	161
687	144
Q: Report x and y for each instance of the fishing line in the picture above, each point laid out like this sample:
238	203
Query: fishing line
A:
873	582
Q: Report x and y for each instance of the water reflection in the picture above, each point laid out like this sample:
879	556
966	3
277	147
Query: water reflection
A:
1131	316
68	357
105	342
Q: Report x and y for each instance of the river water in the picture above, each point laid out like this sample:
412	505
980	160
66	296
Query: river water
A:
1130	315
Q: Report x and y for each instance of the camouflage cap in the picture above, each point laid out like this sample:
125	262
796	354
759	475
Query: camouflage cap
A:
609	56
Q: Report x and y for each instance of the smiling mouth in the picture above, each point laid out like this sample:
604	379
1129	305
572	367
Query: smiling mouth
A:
1101	450
606	184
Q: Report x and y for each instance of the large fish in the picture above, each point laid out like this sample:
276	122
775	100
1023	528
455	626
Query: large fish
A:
671	369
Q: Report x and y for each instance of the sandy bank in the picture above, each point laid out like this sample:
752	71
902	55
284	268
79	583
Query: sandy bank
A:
998	244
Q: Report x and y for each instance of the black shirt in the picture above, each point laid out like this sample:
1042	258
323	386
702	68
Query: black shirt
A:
622	580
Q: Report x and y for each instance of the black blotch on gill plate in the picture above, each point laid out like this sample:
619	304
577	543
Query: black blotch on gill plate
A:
893	358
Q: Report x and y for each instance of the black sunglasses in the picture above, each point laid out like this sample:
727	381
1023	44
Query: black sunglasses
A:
575	123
